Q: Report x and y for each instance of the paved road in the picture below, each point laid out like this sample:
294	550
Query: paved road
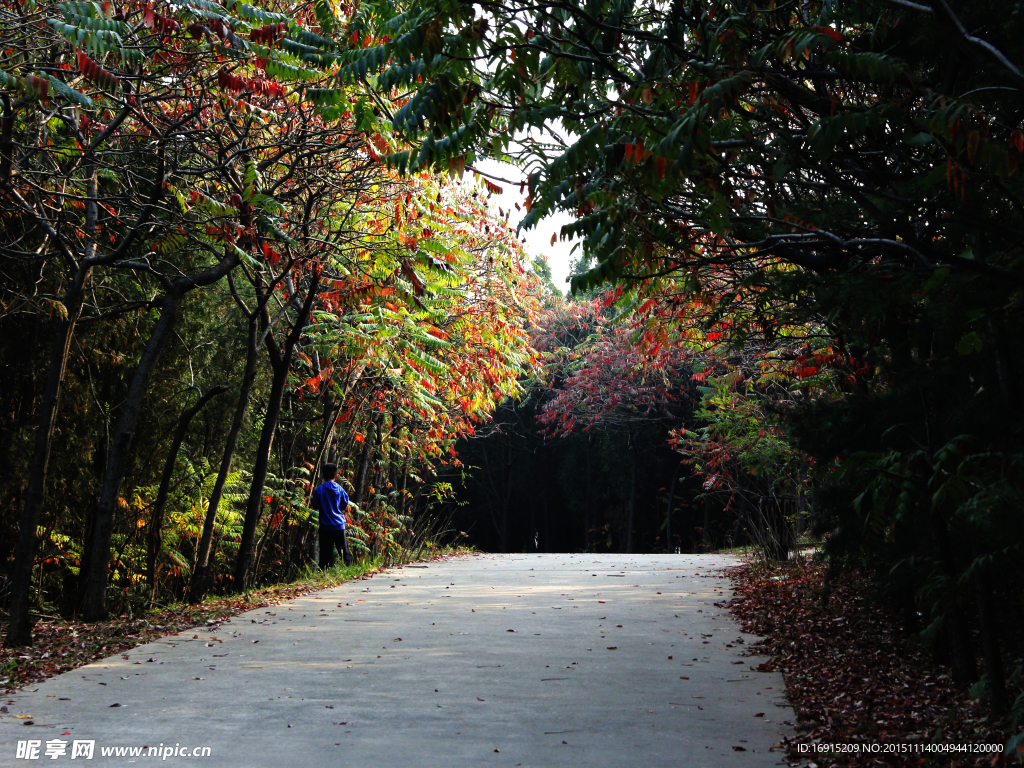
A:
491	660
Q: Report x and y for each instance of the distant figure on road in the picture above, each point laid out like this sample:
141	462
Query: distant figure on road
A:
330	500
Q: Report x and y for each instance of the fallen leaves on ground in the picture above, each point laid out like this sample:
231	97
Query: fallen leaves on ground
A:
851	674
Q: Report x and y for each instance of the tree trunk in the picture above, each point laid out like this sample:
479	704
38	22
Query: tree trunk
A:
93	603
507	500
310	529
200	576
364	465
631	517
671	506
156	518
961	649
999	703
92	597
589	519
402	492
19	631
260	469
707	524
280	362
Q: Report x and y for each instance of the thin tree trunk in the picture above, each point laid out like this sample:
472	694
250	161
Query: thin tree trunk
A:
92	605
200	575
671	506
92	602
19	631
1007	381
631	518
310	526
961	648
589	519
998	701
405	484
506	503
707	524
280	362
364	464
260	469
156	518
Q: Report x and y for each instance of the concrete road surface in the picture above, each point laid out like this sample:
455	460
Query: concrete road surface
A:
488	660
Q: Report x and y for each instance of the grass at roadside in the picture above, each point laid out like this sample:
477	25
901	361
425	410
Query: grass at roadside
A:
61	645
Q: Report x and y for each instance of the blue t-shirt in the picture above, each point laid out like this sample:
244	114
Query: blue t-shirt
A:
330	501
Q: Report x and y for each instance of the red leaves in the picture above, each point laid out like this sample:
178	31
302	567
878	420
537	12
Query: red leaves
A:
956	177
163	25
229	82
258	85
409	273
269	35
93	71
850	673
836	35
270	254
692	91
40	85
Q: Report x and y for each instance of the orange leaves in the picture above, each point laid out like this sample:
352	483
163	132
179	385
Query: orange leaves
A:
314	382
93	71
410	243
836	35
457	166
692	91
494	189
973	140
956	177
635	153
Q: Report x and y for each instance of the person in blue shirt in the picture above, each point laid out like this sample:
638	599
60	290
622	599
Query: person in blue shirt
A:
330	500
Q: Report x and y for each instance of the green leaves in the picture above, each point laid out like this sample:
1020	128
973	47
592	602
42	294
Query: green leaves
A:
70	94
255	15
970	343
88	29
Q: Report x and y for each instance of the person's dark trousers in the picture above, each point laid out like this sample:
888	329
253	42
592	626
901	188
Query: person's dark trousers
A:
329	539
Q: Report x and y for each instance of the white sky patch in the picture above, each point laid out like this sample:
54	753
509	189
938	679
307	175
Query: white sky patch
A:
537	239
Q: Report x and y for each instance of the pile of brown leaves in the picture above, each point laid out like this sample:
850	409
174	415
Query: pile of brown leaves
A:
851	674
